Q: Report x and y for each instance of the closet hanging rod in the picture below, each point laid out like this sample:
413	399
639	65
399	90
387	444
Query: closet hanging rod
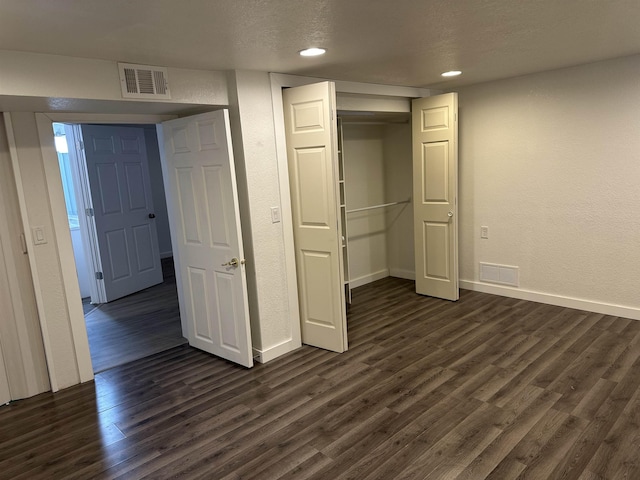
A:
378	206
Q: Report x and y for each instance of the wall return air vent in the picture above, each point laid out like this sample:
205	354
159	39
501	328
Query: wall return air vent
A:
504	274
144	81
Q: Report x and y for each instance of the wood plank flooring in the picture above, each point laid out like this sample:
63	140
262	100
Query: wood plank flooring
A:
484	388
136	326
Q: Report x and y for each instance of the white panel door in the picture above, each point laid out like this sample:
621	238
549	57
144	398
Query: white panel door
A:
204	218
435	192
311	134
118	173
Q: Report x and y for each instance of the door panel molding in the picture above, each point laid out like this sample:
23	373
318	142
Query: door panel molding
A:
119	184
435	191
202	197
312	149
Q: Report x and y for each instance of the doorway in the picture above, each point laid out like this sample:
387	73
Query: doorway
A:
145	319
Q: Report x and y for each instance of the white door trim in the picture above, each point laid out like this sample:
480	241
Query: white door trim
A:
46	339
22	336
83	196
278	82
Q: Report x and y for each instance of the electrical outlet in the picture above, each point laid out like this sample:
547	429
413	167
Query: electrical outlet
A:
484	232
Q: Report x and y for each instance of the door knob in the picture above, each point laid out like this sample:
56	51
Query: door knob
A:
450	214
152	215
234	262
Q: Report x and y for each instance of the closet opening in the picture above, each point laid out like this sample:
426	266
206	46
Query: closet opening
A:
354	164
375	168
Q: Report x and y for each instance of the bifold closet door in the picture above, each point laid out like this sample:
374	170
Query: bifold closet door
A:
311	135
435	192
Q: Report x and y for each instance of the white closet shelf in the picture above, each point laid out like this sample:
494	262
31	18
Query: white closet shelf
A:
372	207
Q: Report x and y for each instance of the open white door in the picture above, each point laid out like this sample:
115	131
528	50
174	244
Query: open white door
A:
122	205
202	199
311	135
435	193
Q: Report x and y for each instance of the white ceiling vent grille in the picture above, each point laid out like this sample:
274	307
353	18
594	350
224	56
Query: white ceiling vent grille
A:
143	81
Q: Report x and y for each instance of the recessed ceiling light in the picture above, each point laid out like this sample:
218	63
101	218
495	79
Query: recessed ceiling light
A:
451	73
312	52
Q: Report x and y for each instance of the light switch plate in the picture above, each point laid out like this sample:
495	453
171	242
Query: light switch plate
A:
38	235
275	214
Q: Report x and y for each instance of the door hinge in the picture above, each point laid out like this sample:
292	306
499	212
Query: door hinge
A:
89	212
79	145
99	276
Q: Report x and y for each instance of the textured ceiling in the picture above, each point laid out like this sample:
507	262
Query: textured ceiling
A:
401	42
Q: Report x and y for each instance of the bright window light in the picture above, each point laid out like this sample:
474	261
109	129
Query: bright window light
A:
61	144
312	52
452	73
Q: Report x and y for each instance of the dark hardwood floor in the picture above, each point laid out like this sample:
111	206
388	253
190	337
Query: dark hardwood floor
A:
484	388
135	326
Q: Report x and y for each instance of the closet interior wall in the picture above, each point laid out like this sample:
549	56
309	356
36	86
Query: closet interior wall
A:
378	170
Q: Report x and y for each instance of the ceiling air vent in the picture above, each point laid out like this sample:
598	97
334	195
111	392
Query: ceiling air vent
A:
143	81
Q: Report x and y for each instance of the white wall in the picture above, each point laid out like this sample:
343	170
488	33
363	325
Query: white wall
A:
60	78
364	169
252	126
550	163
45	263
378	169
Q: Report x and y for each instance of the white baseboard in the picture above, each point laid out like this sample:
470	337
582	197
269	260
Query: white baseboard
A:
271	353
558	300
166	254
400	273
372	277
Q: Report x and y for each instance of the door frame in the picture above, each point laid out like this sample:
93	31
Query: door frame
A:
62	236
87	229
355	97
